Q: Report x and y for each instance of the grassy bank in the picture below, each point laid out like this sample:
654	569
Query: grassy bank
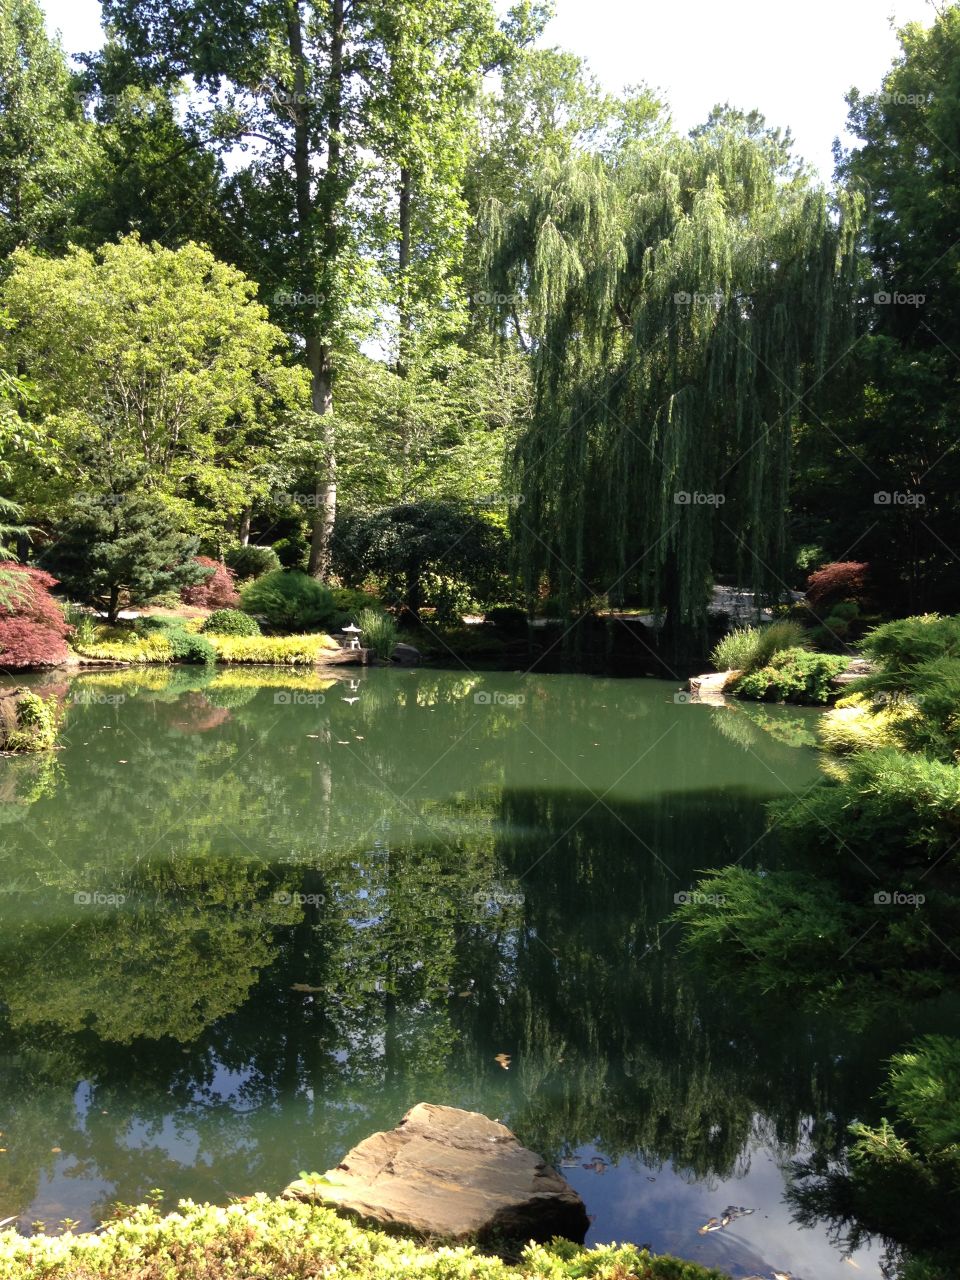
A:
286	1240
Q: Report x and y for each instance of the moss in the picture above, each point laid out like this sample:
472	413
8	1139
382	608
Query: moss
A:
30	723
278	1238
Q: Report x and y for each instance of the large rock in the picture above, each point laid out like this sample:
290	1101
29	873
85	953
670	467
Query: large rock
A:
453	1174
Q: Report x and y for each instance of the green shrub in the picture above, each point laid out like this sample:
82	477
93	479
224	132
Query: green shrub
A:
83	622
126	644
748	648
794	675
28	722
252	562
284	1238
290	601
185	645
350	603
292	553
231	622
274	650
379	633
907	643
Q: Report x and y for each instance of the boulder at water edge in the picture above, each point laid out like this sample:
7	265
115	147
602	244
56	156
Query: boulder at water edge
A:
453	1174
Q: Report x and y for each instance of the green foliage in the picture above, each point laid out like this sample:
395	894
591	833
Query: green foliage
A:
83	623
900	1177
351	602
230	622
292	552
290	601
274	650
432	552
43	142
747	648
28	722
112	548
157	357
918	678
185	645
379	633
125	644
252	562
625	334
794	675
282	1238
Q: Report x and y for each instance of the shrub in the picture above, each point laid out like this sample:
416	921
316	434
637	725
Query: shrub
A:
350	603
217	591
124	644
112	547
794	675
843	580
185	645
748	648
230	622
264	1237
252	562
856	725
274	650
292	553
82	623
33	629
379	633
27	721
290	601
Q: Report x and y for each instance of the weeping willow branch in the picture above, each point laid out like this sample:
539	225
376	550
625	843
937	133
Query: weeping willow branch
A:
678	306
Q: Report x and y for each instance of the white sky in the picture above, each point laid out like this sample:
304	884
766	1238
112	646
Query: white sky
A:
793	61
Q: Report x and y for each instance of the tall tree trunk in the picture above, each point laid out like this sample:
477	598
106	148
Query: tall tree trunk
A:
325	509
406	245
243	529
319	354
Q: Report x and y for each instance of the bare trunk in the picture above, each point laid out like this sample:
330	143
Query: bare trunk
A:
244	527
319	354
325	494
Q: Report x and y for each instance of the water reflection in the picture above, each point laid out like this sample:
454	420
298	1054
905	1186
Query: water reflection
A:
248	919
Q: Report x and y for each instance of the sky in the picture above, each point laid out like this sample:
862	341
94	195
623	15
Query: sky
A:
794	62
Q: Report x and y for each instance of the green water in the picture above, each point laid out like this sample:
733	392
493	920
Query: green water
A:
248	919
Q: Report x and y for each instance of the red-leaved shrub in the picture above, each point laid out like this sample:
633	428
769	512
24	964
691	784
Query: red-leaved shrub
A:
216	591
33	630
842	580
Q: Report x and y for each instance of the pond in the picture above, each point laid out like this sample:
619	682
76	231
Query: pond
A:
248	918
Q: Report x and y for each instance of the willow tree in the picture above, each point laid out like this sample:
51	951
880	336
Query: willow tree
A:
681	297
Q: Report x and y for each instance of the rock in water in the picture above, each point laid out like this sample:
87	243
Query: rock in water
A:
453	1174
